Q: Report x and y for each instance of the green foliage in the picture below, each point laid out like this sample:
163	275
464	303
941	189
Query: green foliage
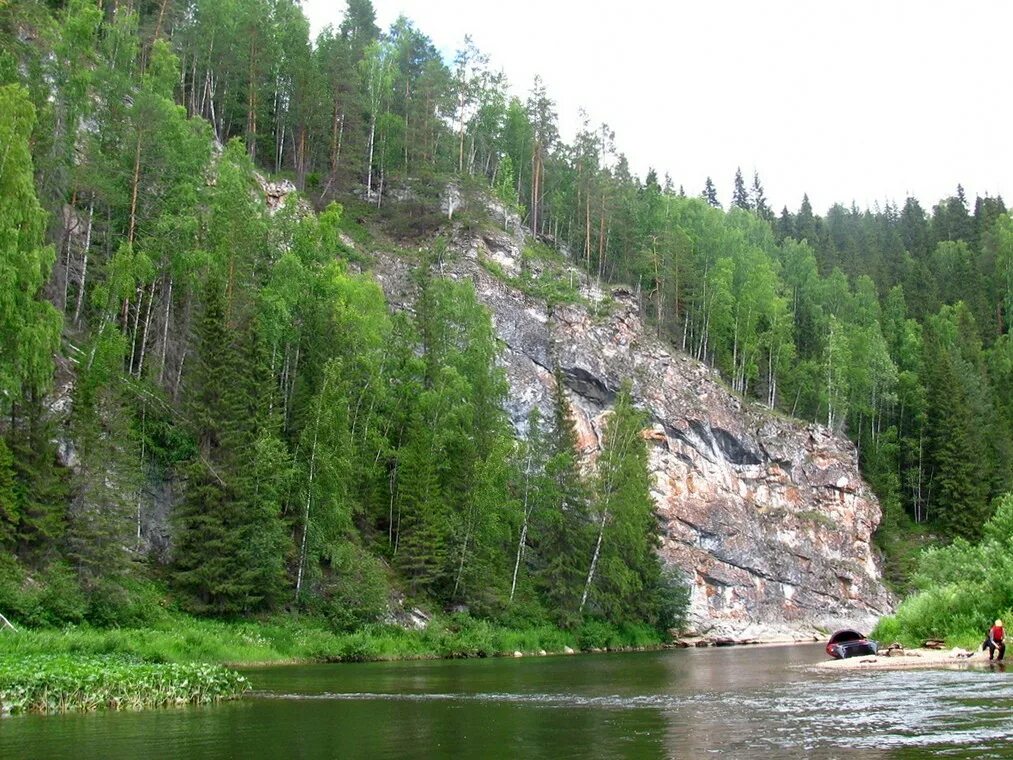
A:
62	683
962	588
230	540
561	529
48	598
323	448
8	496
29	326
624	580
352	590
182	639
41	487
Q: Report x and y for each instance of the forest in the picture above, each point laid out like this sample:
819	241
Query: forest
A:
318	450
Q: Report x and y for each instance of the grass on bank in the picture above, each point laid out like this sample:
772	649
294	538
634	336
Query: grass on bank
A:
184	639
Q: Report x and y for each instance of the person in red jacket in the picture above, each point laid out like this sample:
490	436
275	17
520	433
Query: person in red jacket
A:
995	641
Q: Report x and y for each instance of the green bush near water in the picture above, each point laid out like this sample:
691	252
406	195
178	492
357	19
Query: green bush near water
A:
962	589
65	683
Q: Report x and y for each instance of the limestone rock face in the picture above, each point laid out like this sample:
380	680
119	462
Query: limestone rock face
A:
767	517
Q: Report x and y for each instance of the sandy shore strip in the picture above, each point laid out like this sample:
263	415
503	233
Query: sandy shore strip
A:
912	658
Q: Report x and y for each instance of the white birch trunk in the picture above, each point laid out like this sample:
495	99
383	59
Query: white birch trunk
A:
524	527
84	263
594	560
309	492
165	332
369	175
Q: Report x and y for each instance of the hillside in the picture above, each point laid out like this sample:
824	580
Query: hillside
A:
768	518
215	401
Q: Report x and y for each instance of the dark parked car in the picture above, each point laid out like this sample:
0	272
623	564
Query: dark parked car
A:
850	643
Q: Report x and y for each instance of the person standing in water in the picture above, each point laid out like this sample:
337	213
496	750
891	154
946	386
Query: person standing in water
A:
995	641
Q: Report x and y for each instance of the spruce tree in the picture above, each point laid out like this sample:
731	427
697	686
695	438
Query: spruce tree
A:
805	223
228	548
623	570
562	536
42	487
958	480
423	528
104	519
710	194
8	497
758	200
740	198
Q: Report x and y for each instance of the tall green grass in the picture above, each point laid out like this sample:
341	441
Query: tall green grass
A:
184	639
65	683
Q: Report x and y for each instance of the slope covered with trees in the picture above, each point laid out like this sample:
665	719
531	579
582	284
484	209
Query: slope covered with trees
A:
323	454
320	446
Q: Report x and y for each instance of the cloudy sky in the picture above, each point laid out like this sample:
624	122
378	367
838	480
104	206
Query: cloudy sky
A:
864	100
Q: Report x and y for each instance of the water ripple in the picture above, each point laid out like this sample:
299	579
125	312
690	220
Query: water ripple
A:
941	710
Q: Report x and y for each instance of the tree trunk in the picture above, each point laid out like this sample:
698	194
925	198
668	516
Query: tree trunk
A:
66	246
137	322
392	480
158	23
594	560
464	554
144	333
524	528
251	104
133	190
84	263
300	158
601	240
165	332
369	174
309	491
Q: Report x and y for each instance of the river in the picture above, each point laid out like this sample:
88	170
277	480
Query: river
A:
746	702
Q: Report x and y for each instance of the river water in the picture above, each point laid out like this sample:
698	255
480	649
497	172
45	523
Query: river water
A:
745	702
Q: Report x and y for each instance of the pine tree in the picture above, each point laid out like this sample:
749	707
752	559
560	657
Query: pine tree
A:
633	585
785	227
958	482
423	524
758	200
529	476
359	25
805	223
740	198
104	517
710	194
228	548
562	537
41	487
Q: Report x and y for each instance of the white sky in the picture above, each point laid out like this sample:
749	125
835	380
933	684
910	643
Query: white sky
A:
857	100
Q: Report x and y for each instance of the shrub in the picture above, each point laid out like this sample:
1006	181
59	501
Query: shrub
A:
354	590
962	587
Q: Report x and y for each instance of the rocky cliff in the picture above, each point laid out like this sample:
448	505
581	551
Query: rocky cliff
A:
768	517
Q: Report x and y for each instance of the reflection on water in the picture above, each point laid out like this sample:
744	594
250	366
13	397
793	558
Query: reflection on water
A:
757	702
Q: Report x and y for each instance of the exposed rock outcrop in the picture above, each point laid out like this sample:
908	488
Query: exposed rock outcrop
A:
768	517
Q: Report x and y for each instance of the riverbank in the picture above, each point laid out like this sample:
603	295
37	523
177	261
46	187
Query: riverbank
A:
185	639
910	659
187	660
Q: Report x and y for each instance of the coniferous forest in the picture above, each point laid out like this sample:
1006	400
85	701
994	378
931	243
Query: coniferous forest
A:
170	345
